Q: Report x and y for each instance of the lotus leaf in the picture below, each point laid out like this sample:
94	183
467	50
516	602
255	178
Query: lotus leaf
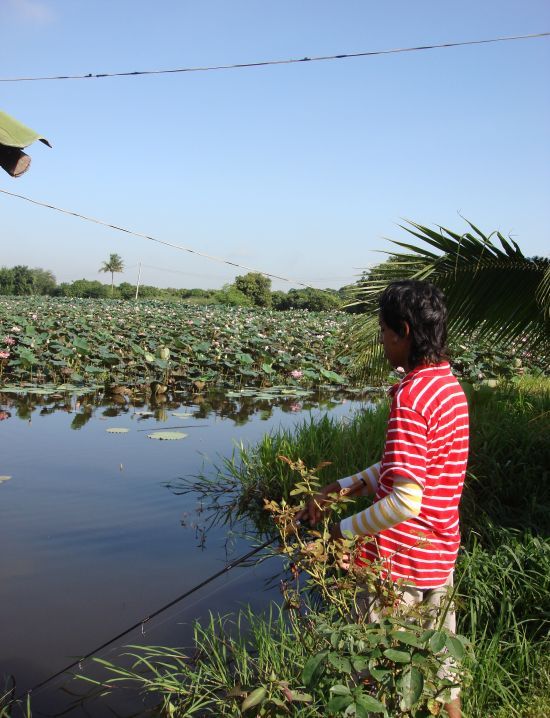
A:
167	435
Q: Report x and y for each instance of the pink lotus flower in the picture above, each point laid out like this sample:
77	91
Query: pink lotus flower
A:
296	374
4	355
10	341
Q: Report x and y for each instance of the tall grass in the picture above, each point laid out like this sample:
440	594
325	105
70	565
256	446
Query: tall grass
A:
503	570
256	473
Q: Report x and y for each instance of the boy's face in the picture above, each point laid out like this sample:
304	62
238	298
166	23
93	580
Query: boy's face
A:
396	347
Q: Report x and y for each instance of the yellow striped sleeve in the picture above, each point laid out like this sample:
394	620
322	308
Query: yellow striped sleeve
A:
404	502
368	478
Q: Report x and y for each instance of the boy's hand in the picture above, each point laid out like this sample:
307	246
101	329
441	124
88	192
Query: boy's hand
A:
316	507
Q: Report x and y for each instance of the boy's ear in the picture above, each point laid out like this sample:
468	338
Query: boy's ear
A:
405	330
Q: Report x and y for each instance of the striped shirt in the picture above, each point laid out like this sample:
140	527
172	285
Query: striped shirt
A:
427	442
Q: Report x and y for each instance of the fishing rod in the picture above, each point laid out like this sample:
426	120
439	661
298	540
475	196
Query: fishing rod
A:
185	426
143	621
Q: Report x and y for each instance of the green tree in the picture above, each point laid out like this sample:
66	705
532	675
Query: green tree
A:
279	300
23	280
491	290
230	295
83	288
6	281
127	290
256	287
44	281
112	265
314	300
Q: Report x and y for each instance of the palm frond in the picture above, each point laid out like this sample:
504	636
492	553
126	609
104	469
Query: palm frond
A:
489	287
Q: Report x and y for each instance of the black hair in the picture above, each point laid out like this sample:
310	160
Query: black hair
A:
422	306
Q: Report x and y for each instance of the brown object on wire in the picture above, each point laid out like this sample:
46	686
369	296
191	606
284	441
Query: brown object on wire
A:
14	160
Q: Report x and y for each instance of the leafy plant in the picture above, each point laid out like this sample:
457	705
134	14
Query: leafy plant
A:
503	568
225	346
492	291
323	659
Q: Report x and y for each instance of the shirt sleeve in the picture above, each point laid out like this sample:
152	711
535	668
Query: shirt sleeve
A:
402	503
368	478
405	451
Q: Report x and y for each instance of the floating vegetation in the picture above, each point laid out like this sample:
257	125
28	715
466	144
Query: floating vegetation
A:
4	478
60	344
48	389
167	435
117	430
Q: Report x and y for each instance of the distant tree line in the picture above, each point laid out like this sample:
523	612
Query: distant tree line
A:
21	280
249	290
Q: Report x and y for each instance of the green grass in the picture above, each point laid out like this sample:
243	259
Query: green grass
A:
502	575
504	565
259	474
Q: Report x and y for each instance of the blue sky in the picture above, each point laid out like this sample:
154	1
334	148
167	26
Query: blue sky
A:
301	170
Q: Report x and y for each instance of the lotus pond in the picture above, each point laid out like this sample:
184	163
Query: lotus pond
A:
94	532
87	342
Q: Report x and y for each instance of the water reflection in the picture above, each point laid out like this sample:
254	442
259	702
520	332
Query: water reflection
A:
96	540
240	409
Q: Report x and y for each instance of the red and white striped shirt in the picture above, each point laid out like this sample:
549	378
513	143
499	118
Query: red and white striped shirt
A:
426	441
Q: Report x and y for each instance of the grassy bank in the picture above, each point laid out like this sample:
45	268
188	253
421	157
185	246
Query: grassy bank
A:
271	665
504	565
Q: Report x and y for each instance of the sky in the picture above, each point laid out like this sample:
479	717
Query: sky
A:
304	171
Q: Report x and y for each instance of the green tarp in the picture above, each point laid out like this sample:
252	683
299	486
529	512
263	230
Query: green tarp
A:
15	134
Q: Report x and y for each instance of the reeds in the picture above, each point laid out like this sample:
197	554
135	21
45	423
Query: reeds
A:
503	570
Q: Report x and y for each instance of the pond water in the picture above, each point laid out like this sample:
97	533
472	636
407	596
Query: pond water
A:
92	538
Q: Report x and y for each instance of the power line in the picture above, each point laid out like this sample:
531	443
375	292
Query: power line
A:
265	63
154	239
180	271
210	276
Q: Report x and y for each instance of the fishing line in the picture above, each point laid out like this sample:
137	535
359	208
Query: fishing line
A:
265	63
146	619
185	426
154	239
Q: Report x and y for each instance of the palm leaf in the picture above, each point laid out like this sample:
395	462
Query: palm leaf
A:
490	289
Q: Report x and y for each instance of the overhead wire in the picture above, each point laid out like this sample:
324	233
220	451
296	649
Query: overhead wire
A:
180	247
180	271
289	61
348	277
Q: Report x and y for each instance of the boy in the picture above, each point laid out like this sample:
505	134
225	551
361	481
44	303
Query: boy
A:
418	483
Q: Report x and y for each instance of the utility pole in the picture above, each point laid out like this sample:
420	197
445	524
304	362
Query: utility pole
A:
137	285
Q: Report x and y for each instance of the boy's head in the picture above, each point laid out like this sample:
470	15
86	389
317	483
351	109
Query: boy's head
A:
413	320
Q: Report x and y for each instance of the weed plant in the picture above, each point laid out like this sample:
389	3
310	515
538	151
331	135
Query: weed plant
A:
253	474
503	570
313	660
